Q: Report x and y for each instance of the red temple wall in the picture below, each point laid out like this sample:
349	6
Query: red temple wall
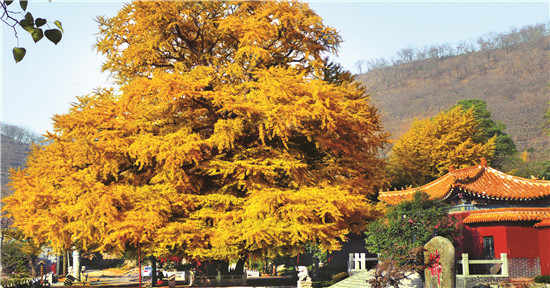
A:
544	245
518	240
499	235
523	240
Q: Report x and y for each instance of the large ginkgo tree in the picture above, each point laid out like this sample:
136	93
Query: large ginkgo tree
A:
225	138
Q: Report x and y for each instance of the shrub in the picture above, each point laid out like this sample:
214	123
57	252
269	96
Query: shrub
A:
408	226
335	279
338	277
321	284
542	279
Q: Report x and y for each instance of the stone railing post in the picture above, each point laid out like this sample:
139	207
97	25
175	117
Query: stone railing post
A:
362	257
357	262
191	278
465	265
350	263
504	259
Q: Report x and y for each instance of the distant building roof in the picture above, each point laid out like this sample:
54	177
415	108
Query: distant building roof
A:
540	215
477	181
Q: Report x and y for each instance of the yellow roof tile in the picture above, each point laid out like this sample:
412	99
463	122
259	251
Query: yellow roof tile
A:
508	215
543	223
480	181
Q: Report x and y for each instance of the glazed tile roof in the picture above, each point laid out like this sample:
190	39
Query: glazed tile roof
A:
514	214
477	181
543	223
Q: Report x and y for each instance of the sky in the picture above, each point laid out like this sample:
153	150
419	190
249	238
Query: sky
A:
50	77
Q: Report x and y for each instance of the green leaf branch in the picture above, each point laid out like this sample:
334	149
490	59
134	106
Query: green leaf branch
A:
29	24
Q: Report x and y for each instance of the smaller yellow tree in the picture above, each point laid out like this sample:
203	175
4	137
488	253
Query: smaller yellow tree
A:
27	246
432	146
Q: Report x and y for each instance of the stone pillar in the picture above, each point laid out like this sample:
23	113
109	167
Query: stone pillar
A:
465	264
441	252
76	265
50	278
504	259
191	277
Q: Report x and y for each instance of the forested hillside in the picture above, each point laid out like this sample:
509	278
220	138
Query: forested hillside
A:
14	154
509	71
16	143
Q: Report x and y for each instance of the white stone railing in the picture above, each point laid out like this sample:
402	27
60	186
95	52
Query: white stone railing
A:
358	262
466	264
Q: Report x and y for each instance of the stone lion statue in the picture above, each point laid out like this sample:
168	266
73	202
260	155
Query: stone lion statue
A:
303	275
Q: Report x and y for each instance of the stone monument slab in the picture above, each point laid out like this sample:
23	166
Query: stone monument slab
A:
440	252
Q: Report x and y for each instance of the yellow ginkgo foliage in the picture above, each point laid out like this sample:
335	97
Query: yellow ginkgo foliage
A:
224	139
432	146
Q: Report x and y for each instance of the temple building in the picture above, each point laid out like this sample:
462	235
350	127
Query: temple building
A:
501	214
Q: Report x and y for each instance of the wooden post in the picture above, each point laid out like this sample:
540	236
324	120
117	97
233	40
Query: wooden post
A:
465	265
504	259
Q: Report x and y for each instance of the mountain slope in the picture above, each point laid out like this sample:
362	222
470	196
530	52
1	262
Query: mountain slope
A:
514	81
13	155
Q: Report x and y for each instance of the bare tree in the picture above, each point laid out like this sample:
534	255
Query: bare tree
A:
434	52
20	134
377	63
359	66
422	54
406	55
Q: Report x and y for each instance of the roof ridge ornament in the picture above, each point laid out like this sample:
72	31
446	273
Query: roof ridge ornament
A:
483	162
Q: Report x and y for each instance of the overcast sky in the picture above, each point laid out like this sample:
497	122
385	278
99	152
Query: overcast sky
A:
50	77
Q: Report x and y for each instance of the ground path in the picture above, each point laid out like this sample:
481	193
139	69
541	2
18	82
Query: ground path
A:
130	279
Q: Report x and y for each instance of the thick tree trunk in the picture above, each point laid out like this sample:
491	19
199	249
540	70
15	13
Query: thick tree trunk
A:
65	263
239	268
315	268
153	271
57	265
32	265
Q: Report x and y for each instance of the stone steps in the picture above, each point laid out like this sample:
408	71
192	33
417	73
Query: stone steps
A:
358	280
